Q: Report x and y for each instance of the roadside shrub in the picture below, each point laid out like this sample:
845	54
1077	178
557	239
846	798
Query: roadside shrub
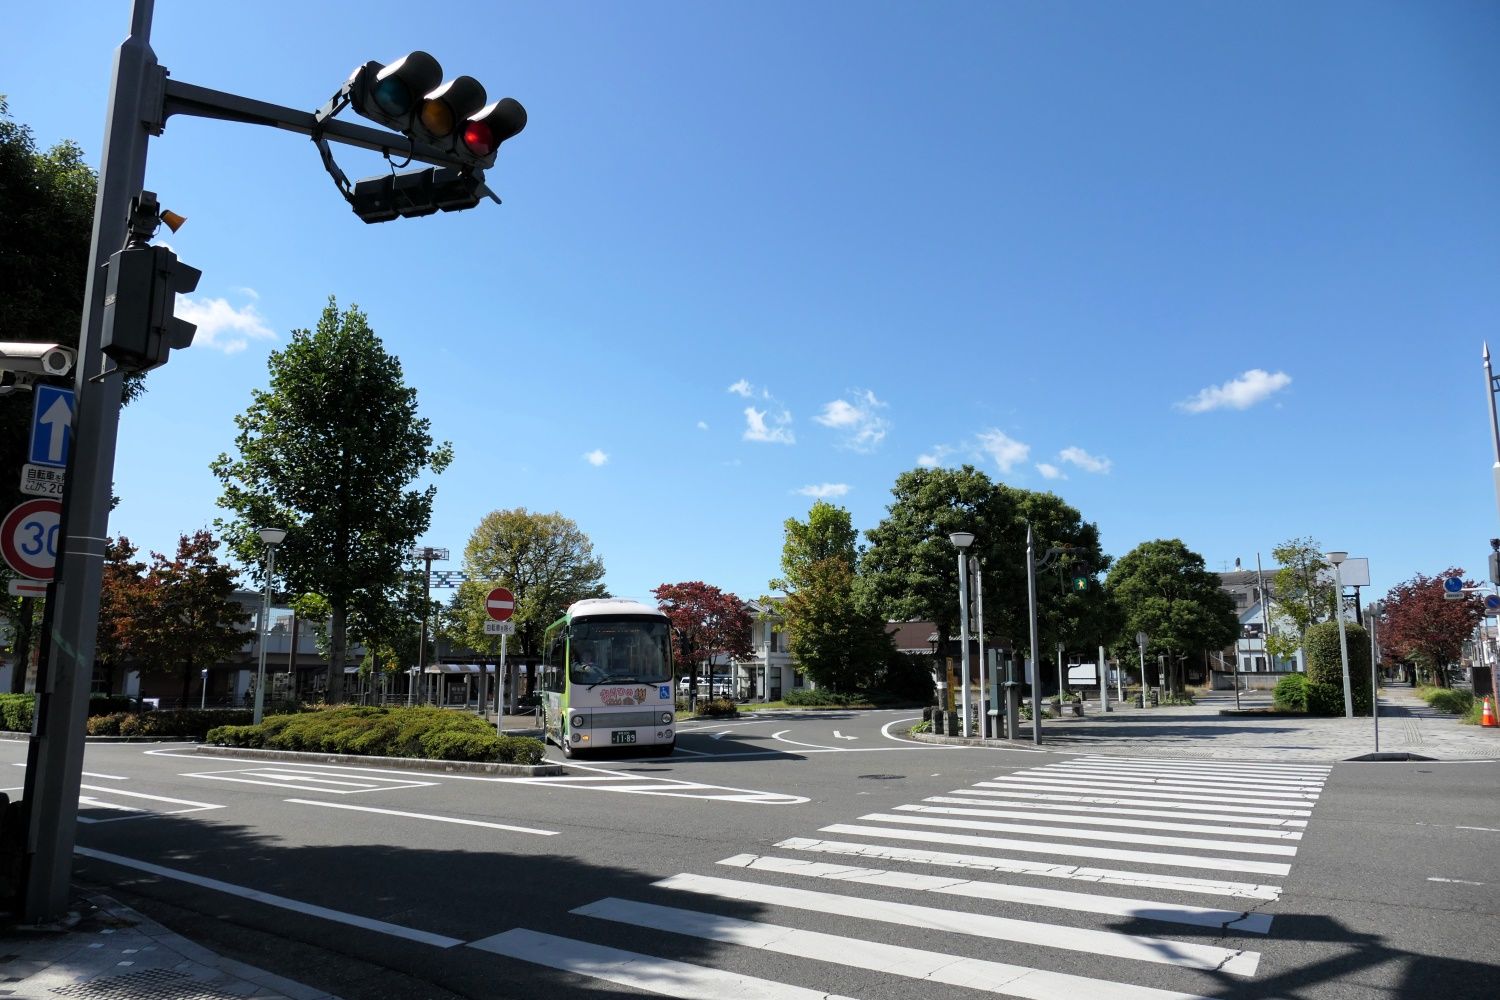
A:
370	731
1325	672
805	698
16	711
1291	694
716	708
106	725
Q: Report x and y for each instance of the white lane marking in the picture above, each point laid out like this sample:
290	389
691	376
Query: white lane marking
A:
1266	766
1063	850
1139	947
638	971
1003	892
885	731
1481	829
426	816
1033	785
840	736
271	899
1046	869
1092	820
693	753
1045	809
634	784
1070	833
912	963
1191	775
1163	785
1127	800
89	801
1455	881
720	736
1110	774
731	725
308	781
90	774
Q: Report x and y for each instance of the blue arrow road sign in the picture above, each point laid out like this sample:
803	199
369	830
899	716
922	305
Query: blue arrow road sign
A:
1492	603
1453	584
51	426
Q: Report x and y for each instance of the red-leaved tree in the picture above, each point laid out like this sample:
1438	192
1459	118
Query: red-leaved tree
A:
1421	625
707	624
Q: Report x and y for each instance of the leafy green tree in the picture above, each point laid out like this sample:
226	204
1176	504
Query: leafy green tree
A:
1325	669
840	641
186	616
545	560
1163	589
910	570
331	452
1301	594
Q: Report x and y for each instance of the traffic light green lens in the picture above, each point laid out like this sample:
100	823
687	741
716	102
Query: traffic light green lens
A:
392	96
437	117
479	139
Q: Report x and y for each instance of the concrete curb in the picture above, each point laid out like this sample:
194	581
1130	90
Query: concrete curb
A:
395	763
19	737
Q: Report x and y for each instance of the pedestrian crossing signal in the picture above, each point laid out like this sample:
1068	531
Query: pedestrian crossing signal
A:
1080	584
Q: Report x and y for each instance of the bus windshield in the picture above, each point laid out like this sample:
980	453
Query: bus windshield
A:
618	649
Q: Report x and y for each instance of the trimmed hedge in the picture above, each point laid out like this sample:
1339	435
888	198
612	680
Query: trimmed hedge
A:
16	711
823	699
1325	671
1291	693
716	708
173	724
372	731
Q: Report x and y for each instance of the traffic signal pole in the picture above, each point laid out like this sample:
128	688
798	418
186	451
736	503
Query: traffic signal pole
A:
54	758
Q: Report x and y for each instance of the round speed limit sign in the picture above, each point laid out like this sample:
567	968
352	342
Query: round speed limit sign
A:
29	536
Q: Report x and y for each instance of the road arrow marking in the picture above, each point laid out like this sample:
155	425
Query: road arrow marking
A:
840	736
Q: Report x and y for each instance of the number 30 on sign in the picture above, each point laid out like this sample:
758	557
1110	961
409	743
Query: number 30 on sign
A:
29	536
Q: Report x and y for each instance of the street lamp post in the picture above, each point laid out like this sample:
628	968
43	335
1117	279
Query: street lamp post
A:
1036	667
1338	607
962	540
272	537
1376	610
203	688
983	663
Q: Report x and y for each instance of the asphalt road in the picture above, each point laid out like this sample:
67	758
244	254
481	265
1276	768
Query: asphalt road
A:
810	855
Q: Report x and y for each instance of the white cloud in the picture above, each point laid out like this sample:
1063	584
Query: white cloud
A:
1050	471
934	458
1239	393
864	428
743	388
823	491
1006	451
222	326
703	425
596	457
1075	455
779	432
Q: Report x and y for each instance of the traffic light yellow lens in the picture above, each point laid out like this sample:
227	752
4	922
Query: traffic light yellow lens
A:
437	117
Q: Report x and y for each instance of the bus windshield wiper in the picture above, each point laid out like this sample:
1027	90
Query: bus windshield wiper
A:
613	680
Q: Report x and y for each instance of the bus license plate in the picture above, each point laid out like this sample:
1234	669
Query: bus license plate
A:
622	736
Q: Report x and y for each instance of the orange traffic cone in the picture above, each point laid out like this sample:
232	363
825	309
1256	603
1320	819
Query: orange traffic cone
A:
1488	718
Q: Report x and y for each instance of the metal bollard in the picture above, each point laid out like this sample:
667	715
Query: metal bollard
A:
937	721
1140	700
1155	698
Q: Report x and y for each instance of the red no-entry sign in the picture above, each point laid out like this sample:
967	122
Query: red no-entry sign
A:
500	603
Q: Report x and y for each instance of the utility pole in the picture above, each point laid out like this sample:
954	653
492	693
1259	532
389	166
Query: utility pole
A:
427	554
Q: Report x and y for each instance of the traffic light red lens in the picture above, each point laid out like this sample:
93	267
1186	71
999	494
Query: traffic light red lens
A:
479	138
437	117
392	96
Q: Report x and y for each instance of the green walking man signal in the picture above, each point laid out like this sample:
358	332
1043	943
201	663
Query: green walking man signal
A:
1080	584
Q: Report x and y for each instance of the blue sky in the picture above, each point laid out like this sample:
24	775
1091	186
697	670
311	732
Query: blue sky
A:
1212	271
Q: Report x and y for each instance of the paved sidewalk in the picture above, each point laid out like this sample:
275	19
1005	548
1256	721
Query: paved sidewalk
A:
1407	725
115	953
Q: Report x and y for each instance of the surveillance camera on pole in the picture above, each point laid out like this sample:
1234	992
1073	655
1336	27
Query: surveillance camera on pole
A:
36	359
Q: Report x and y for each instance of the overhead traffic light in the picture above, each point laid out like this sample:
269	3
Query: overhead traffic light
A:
414	194
409	96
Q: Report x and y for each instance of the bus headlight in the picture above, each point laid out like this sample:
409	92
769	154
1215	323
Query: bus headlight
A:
577	722
666	718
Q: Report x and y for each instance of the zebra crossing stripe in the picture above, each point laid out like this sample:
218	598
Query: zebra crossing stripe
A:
1194	788
1260	766
1113	837
1143	948
911	963
1045	785
1041	807
1109	774
1124	799
642	972
1064	850
1081	902
1044	869
1274	779
1092	820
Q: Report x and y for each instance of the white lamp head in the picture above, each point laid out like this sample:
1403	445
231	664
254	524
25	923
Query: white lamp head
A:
1337	557
272	536
962	539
